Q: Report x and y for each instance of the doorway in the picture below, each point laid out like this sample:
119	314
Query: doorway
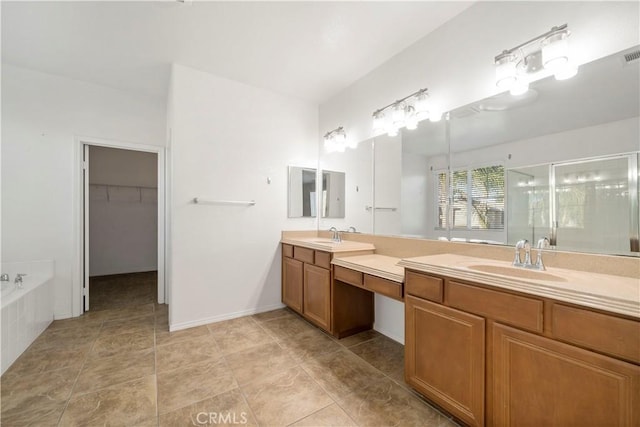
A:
121	225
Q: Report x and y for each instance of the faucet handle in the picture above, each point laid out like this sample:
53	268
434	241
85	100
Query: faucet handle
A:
4	277
543	243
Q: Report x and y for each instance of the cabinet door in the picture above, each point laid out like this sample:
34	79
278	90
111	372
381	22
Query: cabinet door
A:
292	276
317	295
541	382
444	357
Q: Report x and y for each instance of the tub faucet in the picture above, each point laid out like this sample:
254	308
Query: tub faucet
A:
542	244
18	280
4	277
336	235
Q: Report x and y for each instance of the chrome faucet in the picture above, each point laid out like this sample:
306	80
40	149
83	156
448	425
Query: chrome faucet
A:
520	244
351	229
18	280
4	277
336	235
542	244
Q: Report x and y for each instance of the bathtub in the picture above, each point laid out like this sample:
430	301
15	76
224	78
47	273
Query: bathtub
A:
26	311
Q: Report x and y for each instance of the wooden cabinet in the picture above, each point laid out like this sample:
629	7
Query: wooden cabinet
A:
500	358
306	283
317	295
444	357
542	382
292	283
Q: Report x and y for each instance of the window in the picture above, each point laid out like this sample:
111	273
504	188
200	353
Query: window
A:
477	198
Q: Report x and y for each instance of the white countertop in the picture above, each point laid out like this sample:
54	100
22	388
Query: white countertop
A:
617	294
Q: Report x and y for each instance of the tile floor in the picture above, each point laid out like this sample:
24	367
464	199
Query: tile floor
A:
119	290
123	367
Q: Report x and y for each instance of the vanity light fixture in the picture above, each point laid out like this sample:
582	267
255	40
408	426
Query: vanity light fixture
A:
336	140
516	67
405	112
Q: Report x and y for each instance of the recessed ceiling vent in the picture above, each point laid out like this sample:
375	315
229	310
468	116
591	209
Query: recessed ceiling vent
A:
631	57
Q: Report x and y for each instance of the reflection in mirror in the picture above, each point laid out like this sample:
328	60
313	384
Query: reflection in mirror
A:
547	133
302	192
355	165
403	195
333	200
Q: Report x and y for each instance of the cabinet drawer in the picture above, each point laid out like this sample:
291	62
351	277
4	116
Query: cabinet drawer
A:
303	254
323	259
287	250
512	309
383	286
596	331
349	276
424	286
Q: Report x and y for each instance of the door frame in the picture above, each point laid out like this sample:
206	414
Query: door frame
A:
77	304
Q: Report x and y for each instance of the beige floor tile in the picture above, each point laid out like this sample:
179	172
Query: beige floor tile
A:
36	360
385	403
111	345
128	326
258	362
75	322
341	372
190	384
238	334
383	353
42	413
360	338
69	338
20	393
332	415
165	337
128	404
273	314
182	353
288	326
226	409
285	397
101	372
127	312
312	343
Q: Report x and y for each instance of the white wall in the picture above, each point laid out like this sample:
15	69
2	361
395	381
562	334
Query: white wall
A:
123	211
227	139
41	115
456	62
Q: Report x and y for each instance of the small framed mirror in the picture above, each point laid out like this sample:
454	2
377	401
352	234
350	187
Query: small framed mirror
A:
333	194
302	192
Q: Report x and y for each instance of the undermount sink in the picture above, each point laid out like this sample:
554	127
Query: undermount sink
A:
517	272
325	241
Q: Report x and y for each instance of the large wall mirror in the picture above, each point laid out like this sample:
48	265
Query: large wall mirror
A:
559	161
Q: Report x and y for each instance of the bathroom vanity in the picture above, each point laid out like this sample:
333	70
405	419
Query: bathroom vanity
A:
489	343
490	354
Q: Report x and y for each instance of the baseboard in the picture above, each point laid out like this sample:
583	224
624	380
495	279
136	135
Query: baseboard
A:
389	335
221	317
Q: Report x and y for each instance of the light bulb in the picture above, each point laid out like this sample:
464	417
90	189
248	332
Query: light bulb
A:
379	123
506	71
565	72
555	50
411	120
435	115
520	87
392	131
398	116
421	106
339	137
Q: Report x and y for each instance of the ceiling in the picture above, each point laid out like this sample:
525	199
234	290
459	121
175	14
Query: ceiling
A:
309	50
